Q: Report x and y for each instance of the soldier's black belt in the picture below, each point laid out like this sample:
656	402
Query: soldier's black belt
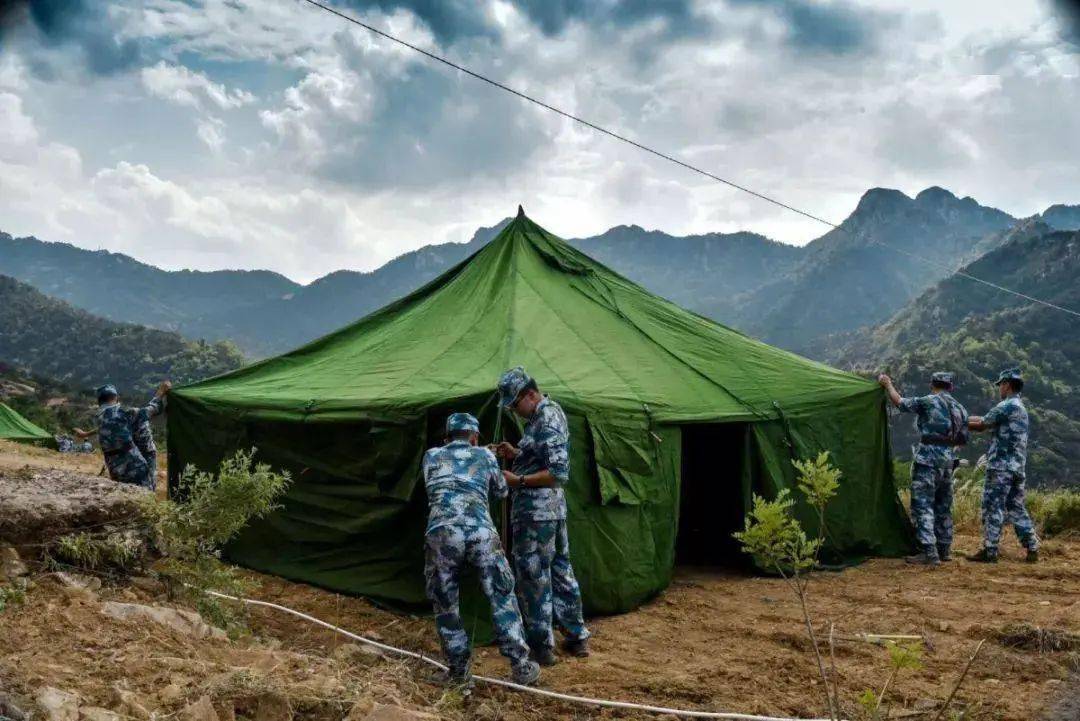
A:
117	451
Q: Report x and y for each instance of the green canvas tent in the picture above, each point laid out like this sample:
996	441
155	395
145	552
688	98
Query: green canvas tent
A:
675	420
14	427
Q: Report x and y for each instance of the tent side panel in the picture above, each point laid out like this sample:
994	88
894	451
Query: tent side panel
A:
350	521
622	517
866	517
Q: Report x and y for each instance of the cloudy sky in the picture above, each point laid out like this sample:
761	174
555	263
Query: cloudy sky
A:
266	133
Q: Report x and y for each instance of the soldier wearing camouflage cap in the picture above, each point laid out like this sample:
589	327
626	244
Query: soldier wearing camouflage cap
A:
547	587
459	477
115	426
942	424
1006	460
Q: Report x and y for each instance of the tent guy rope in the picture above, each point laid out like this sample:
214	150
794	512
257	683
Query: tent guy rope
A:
671	159
509	684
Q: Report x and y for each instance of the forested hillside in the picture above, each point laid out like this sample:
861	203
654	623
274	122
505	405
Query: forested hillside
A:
48	337
974	330
120	288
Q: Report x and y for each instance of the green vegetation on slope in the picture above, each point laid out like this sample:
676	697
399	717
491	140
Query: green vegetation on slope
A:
50	338
974	331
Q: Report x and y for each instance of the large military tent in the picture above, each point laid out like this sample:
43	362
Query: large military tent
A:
675	421
14	427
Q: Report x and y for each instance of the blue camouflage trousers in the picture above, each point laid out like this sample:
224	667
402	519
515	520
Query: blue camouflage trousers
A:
1003	502
546	584
129	467
448	550
931	508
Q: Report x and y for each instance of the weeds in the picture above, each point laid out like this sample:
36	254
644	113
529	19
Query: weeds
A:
190	532
13	594
906	655
114	553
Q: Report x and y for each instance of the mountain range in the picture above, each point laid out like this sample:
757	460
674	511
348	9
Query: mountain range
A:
879	291
790	296
975	330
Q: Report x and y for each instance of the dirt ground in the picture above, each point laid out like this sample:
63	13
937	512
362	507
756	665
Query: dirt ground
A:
716	640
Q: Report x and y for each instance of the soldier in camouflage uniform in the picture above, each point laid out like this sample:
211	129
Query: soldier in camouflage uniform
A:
541	548
114	428
143	438
142	435
459	477
1006	458
931	467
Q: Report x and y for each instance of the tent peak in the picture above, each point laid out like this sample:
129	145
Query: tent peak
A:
521	211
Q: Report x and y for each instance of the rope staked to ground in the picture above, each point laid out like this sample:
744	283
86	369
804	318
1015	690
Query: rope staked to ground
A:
509	684
672	159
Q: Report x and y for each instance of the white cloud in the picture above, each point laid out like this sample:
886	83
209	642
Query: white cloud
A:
182	86
212	132
356	149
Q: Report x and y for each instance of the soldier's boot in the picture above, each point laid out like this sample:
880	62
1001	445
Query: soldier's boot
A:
543	656
526	673
1032	555
944	553
456	673
985	555
578	647
923	559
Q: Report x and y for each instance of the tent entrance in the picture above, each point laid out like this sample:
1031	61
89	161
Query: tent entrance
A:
712	505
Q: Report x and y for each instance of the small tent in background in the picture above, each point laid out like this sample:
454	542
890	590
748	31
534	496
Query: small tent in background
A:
14	427
675	421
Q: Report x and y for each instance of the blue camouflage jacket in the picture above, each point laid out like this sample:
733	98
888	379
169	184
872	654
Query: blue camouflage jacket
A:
143	437
458	478
932	419
1008	446
545	444
115	423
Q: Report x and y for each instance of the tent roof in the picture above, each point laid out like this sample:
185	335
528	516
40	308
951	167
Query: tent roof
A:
590	337
14	427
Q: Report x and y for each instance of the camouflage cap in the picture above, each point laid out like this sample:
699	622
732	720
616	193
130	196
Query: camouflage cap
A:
942	377
1009	374
106	391
511	383
462	422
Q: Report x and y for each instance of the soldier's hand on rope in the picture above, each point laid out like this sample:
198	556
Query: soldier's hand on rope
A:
504	450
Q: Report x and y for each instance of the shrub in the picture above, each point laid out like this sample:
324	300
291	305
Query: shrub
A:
212	509
1056	512
110	552
13	594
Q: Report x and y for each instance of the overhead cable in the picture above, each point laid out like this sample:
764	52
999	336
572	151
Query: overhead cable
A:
670	158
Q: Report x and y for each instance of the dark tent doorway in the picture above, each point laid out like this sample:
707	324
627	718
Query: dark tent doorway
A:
712	495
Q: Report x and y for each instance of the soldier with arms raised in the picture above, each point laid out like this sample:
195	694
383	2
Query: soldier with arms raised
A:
115	426
459	477
541	547
942	424
1006	460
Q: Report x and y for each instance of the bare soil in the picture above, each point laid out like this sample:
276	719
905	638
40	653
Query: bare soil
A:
716	640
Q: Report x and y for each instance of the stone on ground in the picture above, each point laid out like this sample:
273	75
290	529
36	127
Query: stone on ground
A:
188	623
58	705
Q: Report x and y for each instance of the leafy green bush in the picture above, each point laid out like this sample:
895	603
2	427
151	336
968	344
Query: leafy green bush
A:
212	509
